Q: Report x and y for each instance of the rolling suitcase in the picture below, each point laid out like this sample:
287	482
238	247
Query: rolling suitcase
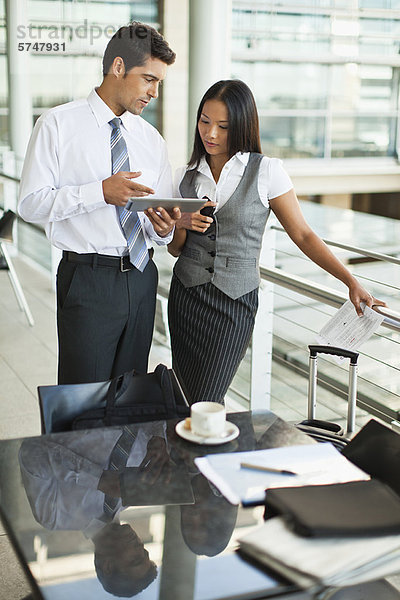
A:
326	431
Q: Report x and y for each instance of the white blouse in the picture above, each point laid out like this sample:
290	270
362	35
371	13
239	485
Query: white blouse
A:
273	180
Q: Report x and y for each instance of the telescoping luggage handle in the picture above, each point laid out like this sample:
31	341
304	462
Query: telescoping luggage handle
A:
312	381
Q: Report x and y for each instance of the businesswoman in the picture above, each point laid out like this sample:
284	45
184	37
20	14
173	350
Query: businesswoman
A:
213	297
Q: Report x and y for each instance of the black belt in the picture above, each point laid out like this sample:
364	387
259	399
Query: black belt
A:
103	260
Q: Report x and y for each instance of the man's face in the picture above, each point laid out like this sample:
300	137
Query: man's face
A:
140	84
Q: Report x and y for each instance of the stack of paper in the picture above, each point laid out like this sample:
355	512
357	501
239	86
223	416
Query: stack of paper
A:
323	562
313	464
347	330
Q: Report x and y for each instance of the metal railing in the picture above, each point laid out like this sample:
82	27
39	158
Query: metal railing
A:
355	249
379	385
368	394
323	294
9	177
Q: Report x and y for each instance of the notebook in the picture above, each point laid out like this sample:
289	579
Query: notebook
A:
357	508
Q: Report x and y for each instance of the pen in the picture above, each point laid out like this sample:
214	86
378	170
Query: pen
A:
245	465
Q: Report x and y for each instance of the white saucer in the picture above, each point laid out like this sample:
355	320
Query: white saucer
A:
231	432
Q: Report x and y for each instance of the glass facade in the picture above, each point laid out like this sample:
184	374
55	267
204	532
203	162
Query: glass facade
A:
325	74
65	41
82	30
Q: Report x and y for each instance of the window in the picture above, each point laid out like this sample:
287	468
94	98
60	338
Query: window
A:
85	29
326	81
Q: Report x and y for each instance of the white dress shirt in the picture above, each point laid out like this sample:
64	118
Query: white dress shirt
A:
67	159
273	180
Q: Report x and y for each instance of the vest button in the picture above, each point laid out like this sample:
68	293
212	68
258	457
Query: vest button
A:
210	270
212	253
212	236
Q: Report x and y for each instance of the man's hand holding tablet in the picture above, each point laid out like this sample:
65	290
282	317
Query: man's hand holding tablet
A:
163	220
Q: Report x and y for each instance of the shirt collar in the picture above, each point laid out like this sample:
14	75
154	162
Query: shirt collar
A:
242	157
103	113
204	166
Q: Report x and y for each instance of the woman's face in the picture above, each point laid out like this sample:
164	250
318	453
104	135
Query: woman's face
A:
213	128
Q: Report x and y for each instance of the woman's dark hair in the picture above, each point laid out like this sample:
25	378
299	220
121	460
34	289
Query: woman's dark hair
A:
243	126
135	43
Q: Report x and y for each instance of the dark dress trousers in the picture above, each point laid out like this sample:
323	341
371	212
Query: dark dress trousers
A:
105	319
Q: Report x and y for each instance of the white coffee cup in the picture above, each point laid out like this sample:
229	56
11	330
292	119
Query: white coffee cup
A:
208	419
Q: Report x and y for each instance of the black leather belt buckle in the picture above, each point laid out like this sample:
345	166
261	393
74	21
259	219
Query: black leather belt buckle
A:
125	264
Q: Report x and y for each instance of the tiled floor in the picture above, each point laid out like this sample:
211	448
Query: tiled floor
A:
28	358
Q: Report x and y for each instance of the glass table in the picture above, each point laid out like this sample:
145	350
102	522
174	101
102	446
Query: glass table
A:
152	529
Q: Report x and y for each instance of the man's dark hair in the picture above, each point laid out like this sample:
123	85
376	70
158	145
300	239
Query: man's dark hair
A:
243	125
122	578
119	583
135	43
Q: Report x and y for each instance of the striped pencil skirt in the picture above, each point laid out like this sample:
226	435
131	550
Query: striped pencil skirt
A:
210	333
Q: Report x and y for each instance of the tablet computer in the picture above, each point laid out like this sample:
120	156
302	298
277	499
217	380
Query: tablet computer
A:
185	204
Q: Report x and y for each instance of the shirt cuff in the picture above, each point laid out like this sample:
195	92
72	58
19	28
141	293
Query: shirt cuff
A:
92	195
163	241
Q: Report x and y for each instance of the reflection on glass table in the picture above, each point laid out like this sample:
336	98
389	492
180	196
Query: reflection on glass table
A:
88	525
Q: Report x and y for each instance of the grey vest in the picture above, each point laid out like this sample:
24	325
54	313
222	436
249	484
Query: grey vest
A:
227	254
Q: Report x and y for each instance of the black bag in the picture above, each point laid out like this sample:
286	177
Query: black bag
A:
376	450
133	398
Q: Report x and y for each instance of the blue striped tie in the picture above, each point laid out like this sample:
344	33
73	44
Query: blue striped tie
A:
130	222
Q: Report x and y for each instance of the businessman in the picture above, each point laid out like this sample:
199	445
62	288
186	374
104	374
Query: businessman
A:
84	161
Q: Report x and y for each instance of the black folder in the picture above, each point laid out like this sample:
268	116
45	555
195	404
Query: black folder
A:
357	508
